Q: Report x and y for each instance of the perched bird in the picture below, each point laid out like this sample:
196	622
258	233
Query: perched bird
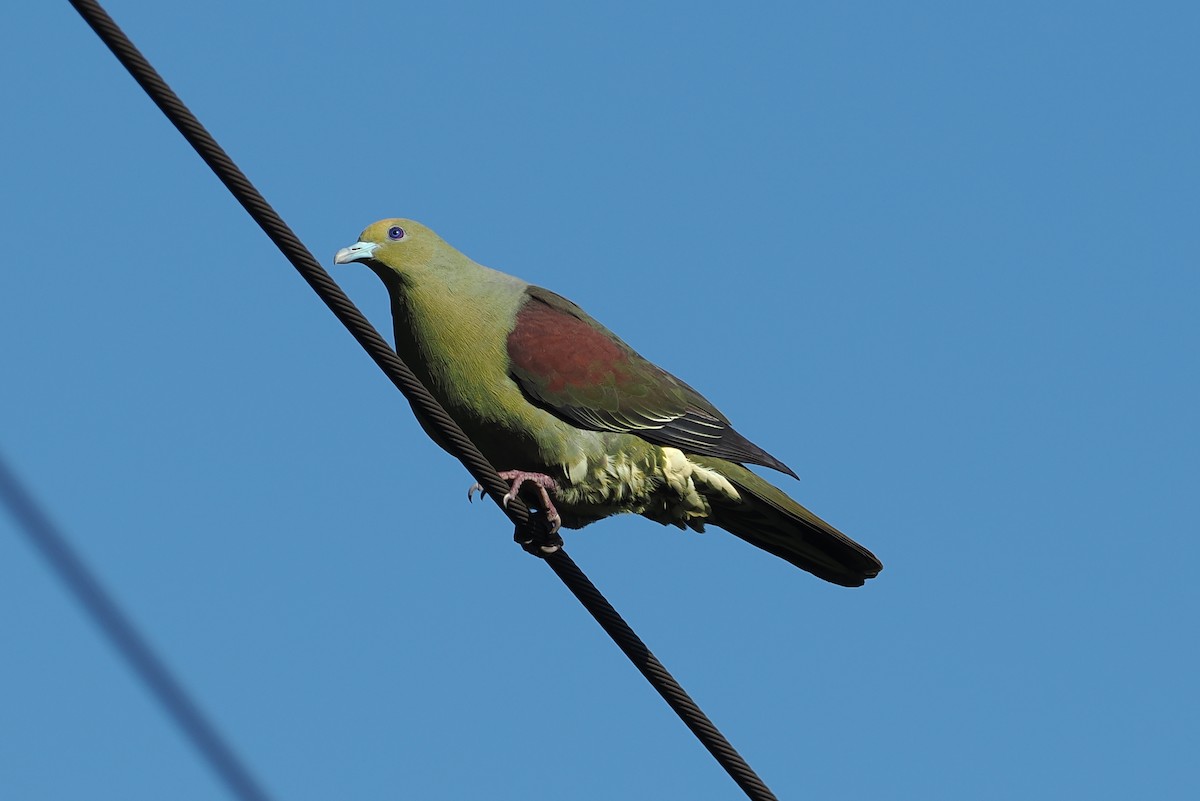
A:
579	422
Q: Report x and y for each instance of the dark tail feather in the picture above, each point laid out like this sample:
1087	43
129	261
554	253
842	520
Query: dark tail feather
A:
767	518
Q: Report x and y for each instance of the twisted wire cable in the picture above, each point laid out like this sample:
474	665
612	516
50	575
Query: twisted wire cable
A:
529	529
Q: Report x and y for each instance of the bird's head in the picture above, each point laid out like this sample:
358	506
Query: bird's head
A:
397	247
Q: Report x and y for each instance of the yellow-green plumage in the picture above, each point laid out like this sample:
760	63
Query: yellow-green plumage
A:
541	387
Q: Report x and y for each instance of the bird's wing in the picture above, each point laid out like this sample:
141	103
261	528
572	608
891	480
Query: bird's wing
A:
572	366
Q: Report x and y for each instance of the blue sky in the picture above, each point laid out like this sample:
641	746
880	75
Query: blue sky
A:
941	259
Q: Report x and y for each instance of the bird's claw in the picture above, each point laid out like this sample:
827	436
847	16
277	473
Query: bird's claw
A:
539	537
543	482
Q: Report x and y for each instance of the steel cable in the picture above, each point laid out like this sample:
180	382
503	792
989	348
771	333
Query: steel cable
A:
408	384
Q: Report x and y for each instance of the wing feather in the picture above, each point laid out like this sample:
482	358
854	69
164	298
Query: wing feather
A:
575	368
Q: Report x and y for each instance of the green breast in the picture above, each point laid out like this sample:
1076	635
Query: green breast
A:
453	333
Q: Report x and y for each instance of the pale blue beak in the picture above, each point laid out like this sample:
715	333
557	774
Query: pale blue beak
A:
359	251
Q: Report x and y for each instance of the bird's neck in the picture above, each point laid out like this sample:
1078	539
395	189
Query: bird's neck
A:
451	324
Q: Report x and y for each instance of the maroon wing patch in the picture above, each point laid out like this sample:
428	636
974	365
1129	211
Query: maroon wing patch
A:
570	365
567	356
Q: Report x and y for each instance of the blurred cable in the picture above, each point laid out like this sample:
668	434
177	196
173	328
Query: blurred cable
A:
124	636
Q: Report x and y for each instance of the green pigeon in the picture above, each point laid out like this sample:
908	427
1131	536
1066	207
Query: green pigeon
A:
582	425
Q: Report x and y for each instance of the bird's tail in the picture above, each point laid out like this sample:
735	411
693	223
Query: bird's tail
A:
769	519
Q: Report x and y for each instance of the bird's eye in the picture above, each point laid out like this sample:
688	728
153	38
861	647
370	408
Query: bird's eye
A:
395	232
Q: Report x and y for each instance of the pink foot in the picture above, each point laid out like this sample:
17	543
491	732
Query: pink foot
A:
543	482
